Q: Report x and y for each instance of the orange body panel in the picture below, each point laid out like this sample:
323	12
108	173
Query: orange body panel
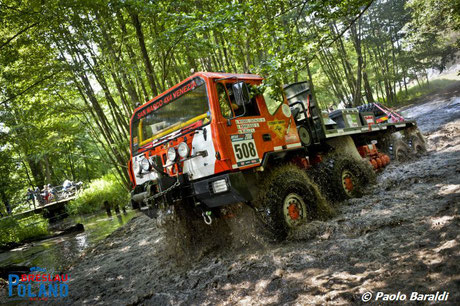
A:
268	132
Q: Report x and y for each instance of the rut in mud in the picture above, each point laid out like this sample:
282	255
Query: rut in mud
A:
402	235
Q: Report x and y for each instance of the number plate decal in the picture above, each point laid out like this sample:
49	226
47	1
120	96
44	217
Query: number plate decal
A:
244	148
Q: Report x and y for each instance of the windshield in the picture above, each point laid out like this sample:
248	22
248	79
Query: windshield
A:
184	107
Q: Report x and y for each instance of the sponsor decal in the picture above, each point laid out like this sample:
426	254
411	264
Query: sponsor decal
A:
166	99
244	148
247	125
278	127
369	119
352	120
245	131
253	120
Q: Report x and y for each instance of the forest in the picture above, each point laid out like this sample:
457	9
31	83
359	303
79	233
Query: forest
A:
72	72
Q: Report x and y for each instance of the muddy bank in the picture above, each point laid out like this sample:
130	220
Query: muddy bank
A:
403	235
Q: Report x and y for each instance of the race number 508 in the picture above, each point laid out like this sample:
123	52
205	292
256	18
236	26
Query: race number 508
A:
245	150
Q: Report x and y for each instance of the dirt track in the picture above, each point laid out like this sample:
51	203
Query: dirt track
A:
402	236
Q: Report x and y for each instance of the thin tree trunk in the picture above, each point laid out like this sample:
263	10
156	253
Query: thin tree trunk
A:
145	56
355	34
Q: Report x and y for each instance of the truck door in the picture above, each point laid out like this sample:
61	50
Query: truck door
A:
251	131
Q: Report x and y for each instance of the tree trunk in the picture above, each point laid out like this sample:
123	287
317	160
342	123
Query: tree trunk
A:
50	177
132	57
357	43
37	172
145	56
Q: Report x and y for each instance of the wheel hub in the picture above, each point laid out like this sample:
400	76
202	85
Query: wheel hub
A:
294	209
347	182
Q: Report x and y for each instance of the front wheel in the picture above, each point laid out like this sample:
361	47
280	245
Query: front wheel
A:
287	199
351	185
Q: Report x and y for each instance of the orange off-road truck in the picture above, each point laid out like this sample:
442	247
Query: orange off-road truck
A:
217	139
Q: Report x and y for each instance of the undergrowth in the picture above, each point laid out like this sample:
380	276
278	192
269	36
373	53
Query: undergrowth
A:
17	230
91	199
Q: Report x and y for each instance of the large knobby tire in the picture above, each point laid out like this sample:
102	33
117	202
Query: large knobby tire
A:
348	177
400	151
287	199
417	146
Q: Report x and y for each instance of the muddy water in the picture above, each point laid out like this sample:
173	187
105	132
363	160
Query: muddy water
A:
59	252
431	115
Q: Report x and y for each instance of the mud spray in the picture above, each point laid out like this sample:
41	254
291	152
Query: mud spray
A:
234	227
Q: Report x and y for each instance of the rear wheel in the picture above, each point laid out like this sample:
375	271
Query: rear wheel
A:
417	145
400	151
287	199
343	177
349	177
304	135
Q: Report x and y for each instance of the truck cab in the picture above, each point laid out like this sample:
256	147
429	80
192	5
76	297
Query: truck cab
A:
201	134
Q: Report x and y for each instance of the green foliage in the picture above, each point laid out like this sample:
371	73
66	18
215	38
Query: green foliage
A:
17	230
415	92
92	199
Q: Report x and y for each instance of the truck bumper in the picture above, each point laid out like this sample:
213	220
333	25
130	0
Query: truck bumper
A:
222	190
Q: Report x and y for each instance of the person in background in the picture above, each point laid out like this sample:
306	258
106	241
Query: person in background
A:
46	193
38	196
52	193
30	197
66	185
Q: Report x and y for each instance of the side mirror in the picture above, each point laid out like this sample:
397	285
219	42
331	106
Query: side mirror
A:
241	92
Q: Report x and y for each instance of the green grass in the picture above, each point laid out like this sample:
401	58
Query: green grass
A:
100	190
17	230
424	89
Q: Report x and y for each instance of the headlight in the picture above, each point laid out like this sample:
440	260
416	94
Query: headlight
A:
183	149
144	164
136	167
172	154
219	186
